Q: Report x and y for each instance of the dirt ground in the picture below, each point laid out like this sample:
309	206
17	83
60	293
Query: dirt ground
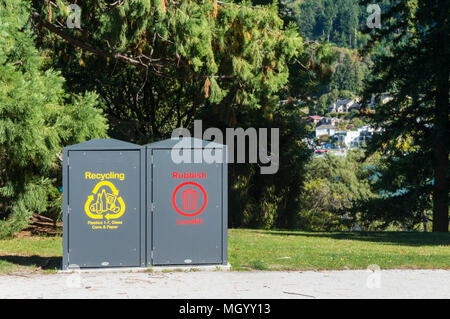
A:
230	284
41	225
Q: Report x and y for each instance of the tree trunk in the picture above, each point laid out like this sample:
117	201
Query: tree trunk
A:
440	192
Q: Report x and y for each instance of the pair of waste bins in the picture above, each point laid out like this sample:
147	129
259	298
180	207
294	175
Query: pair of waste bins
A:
126	205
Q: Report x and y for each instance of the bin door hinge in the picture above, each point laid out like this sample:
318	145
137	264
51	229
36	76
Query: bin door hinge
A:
68	210
68	160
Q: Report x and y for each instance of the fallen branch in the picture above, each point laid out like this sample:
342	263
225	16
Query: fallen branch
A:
295	293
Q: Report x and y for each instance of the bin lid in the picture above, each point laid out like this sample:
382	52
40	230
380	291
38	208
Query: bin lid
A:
103	143
186	142
189	191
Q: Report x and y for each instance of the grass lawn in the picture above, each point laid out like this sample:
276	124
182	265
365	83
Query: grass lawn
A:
274	250
36	253
297	250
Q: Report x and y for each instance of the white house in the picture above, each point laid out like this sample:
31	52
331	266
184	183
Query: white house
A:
349	138
355	138
365	133
365	128
325	130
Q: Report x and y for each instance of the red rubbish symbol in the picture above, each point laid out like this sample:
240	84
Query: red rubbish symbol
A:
190	197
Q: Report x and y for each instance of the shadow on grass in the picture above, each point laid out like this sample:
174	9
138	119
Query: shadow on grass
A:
44	263
401	238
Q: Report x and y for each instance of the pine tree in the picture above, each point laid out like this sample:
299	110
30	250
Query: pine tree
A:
158	65
37	118
238	53
414	142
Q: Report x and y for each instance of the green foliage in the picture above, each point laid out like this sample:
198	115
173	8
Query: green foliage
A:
349	73
413	145
346	81
333	185
224	63
259	265
357	122
335	21
310	72
235	53
37	118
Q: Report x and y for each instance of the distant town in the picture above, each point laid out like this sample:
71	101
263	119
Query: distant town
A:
341	128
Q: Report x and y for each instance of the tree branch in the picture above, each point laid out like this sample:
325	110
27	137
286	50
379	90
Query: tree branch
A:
114	55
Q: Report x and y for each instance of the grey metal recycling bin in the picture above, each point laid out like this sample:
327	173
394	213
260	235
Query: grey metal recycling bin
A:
186	205
103	204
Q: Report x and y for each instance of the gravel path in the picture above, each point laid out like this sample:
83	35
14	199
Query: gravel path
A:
224	284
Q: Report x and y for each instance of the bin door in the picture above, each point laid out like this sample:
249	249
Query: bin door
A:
187	211
104	205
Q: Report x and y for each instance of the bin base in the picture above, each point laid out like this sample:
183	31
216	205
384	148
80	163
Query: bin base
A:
176	268
190	268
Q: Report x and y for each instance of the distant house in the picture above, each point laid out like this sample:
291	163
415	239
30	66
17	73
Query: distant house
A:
364	137
355	138
349	138
314	118
325	130
365	133
342	106
365	128
329	121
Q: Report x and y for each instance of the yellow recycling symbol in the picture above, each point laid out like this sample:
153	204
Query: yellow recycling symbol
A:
106	202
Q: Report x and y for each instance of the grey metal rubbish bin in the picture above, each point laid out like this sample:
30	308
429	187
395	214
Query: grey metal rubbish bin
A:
186	203
104	204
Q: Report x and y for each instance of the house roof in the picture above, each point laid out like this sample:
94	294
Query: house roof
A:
354	105
346	101
315	117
